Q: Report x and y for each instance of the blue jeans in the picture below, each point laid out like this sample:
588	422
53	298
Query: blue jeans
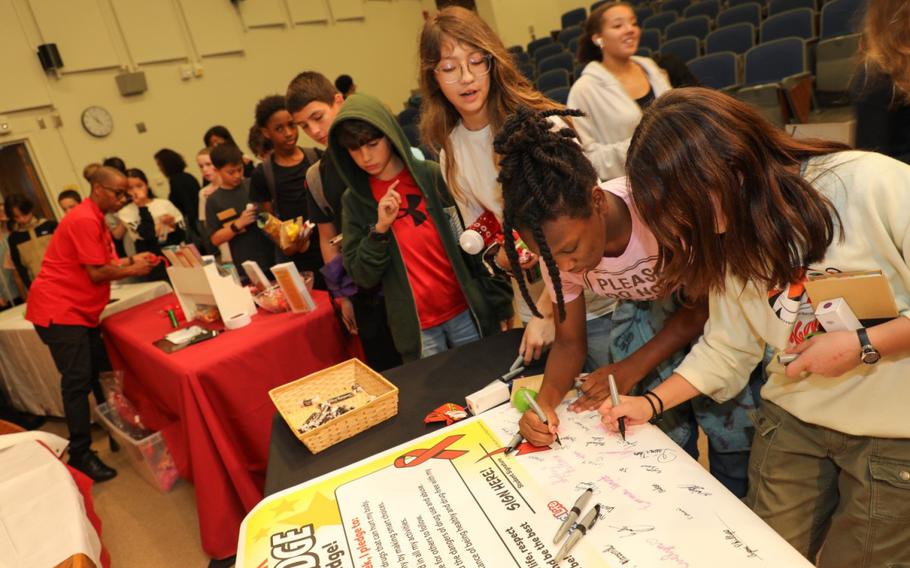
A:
599	336
457	331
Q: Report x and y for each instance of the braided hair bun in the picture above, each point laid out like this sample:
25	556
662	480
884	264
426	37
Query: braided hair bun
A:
544	174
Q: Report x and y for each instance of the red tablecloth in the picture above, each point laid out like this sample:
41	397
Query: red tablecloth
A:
211	400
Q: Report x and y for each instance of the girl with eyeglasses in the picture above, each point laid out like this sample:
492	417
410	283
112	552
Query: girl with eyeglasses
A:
615	86
470	85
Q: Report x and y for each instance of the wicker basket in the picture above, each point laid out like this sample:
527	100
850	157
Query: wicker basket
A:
326	383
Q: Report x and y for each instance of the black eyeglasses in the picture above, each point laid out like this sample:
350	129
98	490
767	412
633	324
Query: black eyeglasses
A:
119	194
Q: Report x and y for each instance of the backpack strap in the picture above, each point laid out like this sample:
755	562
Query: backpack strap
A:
269	171
312	155
314	182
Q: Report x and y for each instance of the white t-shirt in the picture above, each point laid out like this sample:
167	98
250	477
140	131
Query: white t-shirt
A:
129	216
629	276
476	175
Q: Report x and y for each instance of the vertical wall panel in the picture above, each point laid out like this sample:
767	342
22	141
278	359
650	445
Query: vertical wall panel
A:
263	13
214	27
80	32
151	30
307	11
346	9
26	86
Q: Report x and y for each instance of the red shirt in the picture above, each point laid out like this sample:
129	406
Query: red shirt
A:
436	290
63	293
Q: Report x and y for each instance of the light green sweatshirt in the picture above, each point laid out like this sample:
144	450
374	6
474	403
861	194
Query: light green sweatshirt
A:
871	193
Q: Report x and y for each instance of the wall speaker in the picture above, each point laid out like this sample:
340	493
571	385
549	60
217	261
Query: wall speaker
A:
131	83
49	56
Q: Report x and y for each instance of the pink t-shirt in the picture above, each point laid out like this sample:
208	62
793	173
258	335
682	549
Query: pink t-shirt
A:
629	276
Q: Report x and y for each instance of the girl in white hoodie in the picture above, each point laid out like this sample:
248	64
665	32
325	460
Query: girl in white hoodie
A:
614	88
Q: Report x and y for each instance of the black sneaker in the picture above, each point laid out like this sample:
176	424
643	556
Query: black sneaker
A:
89	464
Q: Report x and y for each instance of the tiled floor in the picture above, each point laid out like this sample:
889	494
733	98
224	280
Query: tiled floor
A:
142	527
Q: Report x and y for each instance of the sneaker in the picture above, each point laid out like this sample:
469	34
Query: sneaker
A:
89	464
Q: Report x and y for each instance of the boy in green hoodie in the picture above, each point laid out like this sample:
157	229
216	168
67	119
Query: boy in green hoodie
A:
399	228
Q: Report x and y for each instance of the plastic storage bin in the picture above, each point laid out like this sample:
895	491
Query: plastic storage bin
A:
149	456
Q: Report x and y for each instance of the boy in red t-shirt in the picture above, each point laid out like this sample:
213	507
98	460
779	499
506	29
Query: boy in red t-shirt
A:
398	228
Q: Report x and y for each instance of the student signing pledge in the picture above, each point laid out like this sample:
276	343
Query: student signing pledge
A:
453	498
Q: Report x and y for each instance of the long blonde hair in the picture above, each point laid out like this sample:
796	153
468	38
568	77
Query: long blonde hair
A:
885	44
509	89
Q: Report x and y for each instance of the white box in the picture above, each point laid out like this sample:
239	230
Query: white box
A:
836	315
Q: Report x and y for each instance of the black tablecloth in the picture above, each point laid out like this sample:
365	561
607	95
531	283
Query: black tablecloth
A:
423	385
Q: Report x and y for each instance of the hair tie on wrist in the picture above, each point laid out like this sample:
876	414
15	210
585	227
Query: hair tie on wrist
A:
653	408
659	415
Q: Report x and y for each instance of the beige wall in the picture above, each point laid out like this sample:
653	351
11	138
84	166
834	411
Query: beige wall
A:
379	51
514	17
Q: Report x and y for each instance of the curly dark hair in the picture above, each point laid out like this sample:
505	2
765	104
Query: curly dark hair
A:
171	162
267	106
219	131
544	174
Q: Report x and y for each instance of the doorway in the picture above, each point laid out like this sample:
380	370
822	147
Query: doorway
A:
18	175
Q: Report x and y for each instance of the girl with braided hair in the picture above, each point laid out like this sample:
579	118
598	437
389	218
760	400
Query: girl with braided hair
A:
470	84
589	236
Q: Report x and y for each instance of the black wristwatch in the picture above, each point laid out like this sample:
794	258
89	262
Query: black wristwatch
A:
869	354
234	228
377	236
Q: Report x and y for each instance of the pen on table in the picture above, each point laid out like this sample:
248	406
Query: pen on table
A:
518	363
516	369
513	443
539	412
580	504
614	398
581	529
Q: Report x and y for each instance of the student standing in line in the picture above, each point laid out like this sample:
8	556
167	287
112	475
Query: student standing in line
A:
230	214
745	213
68	199
883	80
279	184
29	238
210	177
470	85
11	289
184	189
398	231
614	88
590	236
218	135
152	222
314	102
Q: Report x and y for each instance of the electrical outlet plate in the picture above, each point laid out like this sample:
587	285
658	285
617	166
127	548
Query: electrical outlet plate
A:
5	127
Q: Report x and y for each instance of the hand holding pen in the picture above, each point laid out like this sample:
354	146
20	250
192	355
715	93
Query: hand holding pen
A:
534	430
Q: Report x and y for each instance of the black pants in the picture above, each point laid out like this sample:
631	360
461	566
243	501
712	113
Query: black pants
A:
373	328
80	357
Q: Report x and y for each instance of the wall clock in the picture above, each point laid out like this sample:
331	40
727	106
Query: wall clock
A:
97	121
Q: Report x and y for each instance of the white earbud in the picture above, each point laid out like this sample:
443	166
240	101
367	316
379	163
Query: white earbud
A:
599	42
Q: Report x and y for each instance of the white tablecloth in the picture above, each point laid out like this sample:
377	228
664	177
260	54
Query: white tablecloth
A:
27	371
42	520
